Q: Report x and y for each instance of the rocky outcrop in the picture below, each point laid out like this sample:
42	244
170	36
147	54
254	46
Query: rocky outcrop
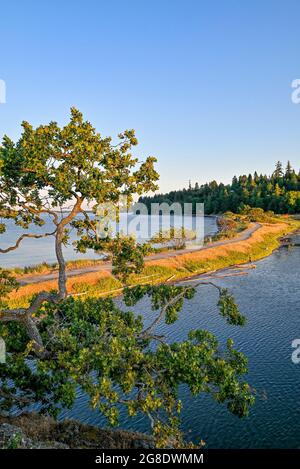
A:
34	431
12	437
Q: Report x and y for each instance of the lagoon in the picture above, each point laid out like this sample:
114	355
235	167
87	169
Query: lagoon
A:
36	251
269	297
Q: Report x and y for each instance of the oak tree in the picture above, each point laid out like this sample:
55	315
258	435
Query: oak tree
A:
60	344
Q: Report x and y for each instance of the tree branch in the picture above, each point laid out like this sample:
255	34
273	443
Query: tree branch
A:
26	235
145	333
24	316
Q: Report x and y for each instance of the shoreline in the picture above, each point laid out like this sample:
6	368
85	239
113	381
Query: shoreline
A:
98	265
47	433
184	266
242	265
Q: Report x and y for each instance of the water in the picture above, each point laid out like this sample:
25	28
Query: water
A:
36	251
269	297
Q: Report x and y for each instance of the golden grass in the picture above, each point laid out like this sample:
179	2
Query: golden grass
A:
228	251
46	268
260	244
23	295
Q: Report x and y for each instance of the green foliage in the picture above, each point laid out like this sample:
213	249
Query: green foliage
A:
257	214
278	192
229	309
7	284
229	224
105	351
51	168
174	237
73	159
127	256
64	344
170	297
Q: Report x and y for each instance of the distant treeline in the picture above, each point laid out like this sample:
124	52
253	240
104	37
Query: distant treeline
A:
279	192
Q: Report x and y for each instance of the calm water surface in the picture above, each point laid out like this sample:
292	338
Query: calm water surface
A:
36	251
269	296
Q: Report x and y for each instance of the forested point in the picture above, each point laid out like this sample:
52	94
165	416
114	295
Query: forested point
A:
279	192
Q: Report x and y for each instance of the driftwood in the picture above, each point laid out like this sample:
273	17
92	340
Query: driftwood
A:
236	274
243	266
223	273
239	274
170	278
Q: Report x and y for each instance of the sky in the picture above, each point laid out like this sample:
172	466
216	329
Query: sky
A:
205	84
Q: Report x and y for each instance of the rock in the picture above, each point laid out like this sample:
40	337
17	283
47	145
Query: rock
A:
143	444
31	430
13	437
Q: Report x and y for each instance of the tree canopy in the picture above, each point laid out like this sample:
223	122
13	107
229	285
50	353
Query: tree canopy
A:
279	193
59	344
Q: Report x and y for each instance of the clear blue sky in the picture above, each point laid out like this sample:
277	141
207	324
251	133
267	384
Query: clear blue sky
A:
206	84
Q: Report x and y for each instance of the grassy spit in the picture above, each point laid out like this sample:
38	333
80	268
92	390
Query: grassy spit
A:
260	244
46	268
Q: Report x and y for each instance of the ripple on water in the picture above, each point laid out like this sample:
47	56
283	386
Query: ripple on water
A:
269	296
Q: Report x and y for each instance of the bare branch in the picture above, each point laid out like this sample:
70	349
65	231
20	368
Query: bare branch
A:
162	314
146	333
26	235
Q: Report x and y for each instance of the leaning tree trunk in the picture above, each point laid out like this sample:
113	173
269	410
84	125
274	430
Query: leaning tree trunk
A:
25	315
62	277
